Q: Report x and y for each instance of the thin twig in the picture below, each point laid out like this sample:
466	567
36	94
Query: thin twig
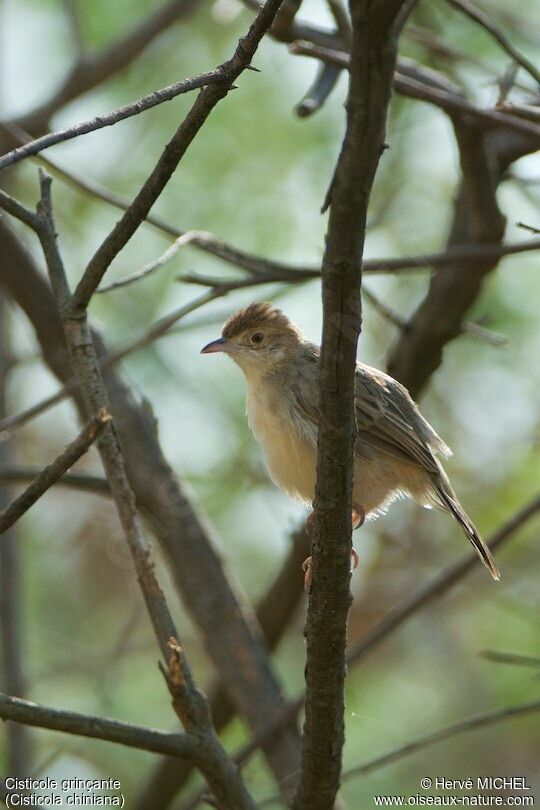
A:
212	244
156	264
473	723
518	659
434	589
190	704
81	481
95	68
53	472
480	17
157	330
109	119
171	156
101	728
413	88
529	228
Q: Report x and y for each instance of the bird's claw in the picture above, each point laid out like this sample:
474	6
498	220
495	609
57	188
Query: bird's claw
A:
307	568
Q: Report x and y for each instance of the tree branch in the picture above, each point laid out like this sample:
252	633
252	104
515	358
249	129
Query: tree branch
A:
91	70
434	589
101	728
437	321
478	16
208	98
80	481
188	701
418	88
252	263
53	472
473	723
274	613
373	55
215	600
109	119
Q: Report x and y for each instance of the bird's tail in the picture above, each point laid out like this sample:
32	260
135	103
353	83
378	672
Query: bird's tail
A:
451	504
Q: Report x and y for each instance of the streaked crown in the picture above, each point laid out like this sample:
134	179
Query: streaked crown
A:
256	316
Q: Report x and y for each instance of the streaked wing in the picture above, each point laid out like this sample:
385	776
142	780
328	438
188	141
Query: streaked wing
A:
388	420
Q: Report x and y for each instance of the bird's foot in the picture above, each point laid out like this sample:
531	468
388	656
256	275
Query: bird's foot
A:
358	516
307	568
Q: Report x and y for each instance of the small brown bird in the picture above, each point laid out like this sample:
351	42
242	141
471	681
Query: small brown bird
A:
396	447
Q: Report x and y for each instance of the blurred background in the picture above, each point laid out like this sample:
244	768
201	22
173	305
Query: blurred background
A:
256	177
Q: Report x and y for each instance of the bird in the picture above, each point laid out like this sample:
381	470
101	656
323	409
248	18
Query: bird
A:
396	449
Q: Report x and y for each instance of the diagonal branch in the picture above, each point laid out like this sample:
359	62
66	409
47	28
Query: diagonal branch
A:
188	701
480	17
36	146
252	263
436	588
473	723
91	70
208	98
419	87
53	472
213	597
100	728
274	614
438	319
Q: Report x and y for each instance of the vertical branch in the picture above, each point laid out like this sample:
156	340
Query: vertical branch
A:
373	54
13	678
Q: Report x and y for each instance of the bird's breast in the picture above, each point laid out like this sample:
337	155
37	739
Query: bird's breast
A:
290	455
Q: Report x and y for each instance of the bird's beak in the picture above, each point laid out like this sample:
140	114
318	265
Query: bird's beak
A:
219	345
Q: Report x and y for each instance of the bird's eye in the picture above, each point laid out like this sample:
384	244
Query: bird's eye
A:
257	337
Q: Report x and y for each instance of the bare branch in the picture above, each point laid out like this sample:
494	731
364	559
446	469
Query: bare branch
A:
434	589
373	56
191	705
216	602
528	227
53	472
156	264
101	728
109	119
439	585
209	243
518	659
423	91
108	361
81	481
207	99
274	614
469	254
473	723
91	70
480	17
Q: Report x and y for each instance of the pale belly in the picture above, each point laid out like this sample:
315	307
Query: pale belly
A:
291	458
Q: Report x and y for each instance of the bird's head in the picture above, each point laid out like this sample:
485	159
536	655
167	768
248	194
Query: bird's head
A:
259	338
